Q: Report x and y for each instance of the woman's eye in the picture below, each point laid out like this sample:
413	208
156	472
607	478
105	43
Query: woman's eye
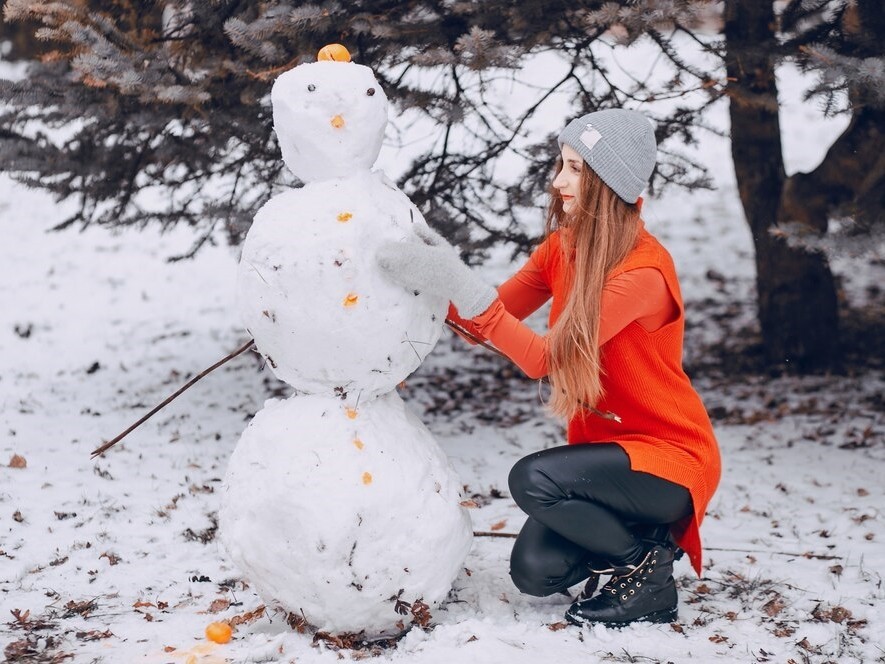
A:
370	91
311	87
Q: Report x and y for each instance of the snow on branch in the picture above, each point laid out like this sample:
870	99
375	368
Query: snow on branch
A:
478	50
838	71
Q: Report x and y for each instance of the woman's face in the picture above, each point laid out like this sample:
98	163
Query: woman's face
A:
568	181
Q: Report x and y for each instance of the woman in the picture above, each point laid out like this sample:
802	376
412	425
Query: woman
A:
629	491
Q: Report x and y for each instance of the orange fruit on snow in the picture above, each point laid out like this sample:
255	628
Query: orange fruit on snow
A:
219	632
357	443
367	478
336	52
350	412
337	122
344	216
351	300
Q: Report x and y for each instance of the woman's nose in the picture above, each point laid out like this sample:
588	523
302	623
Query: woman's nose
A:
558	181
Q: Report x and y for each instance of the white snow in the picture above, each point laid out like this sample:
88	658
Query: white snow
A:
108	559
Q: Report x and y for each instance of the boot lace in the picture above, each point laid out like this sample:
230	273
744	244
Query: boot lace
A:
624	583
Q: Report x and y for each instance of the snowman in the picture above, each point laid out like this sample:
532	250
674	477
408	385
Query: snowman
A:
338	505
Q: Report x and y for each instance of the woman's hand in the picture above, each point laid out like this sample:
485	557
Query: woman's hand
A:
433	266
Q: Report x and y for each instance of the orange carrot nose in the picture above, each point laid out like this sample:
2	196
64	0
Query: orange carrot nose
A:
337	122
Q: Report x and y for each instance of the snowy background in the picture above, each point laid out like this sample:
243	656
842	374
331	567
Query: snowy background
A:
115	560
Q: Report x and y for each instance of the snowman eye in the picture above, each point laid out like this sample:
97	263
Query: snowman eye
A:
311	87
370	91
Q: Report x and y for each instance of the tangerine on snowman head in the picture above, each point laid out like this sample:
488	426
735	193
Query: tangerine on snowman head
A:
336	52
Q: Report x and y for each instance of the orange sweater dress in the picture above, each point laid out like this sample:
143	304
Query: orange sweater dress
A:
664	427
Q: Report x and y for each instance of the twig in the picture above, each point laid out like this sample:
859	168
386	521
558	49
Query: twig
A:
465	332
815	54
268	74
106	446
462	330
819	556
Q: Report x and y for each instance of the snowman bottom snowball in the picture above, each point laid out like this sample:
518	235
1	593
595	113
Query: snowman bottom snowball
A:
335	513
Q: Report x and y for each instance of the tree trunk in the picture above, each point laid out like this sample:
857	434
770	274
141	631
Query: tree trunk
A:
798	311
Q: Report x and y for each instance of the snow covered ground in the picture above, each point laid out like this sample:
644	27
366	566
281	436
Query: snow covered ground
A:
115	560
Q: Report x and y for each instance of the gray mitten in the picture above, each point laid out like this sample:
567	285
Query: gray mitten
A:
433	266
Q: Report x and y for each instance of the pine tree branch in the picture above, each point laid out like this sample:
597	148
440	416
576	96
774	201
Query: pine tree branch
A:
717	50
667	49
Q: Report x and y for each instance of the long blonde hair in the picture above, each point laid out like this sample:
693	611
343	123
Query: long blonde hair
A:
594	239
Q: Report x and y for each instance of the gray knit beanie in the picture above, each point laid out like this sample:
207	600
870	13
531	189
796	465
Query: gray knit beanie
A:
619	145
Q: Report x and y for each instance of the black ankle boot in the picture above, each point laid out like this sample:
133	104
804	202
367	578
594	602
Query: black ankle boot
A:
644	592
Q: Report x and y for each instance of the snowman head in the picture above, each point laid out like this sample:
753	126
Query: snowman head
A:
329	118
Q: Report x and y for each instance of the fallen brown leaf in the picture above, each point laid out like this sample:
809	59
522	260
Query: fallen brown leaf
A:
298	623
499	525
783	630
773	606
248	617
20	617
421	613
856	624
94	635
219	605
83	608
838	614
113	558
18	461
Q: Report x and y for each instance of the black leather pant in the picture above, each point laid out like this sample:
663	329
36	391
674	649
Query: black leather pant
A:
586	507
